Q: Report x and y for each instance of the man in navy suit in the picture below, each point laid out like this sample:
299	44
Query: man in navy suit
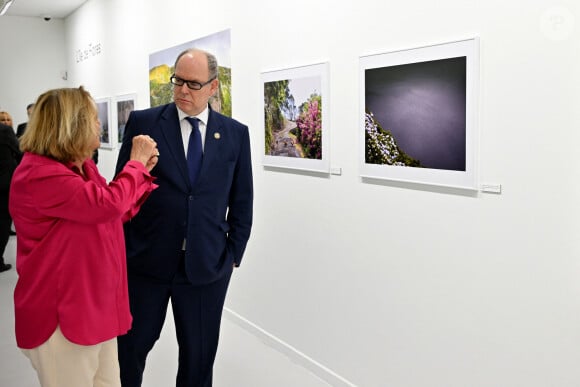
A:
192	231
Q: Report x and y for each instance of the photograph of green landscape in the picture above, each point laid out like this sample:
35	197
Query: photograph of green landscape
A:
293	116
161	65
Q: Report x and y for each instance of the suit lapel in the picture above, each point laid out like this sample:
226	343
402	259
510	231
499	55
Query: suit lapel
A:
171	132
213	141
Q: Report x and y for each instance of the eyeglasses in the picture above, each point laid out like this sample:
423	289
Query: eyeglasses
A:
193	85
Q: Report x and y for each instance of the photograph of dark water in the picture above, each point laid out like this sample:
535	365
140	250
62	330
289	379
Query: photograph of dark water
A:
423	105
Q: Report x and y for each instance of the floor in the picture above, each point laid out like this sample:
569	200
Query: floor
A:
243	360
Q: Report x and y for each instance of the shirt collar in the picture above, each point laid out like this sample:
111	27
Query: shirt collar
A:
203	116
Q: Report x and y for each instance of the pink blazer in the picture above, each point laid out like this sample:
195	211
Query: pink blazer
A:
70	249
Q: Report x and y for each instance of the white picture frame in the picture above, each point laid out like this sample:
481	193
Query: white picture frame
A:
426	102
105	117
123	106
300	141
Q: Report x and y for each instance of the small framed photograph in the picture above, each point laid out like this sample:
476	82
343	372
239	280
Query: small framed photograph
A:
104	111
296	118
419	115
124	104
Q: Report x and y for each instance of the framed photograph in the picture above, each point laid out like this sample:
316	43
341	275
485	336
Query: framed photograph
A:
124	104
296	118
104	111
419	115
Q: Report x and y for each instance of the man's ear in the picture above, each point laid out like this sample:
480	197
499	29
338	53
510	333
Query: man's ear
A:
214	86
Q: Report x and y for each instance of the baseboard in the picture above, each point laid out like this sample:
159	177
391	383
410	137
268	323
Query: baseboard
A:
295	355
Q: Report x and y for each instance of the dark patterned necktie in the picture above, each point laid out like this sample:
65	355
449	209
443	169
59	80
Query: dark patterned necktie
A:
194	150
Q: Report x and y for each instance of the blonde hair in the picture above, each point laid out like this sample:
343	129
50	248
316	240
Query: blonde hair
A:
62	125
5	116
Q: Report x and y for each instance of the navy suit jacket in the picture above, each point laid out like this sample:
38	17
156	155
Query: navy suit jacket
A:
21	129
215	216
10	156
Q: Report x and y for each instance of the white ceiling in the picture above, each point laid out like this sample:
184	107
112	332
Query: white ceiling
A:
58	9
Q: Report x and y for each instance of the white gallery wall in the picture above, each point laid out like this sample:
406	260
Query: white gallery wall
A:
32	60
390	284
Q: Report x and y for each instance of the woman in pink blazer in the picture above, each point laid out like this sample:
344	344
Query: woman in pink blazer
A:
71	298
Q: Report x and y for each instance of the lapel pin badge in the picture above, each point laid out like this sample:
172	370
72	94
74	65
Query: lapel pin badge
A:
217	136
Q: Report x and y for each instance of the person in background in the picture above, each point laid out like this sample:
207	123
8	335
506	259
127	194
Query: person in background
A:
6	119
193	230
71	298
10	156
22	127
